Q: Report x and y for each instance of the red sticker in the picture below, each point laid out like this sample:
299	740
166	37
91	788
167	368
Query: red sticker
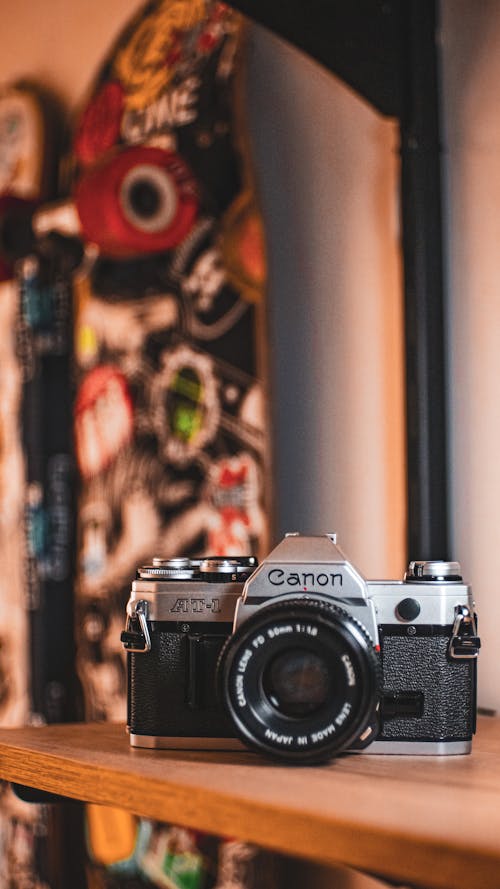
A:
140	200
103	419
99	126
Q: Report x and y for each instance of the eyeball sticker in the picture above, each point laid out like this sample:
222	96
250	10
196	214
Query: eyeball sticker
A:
138	200
184	404
103	419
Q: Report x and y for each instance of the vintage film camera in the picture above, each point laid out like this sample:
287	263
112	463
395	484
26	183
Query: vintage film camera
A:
301	658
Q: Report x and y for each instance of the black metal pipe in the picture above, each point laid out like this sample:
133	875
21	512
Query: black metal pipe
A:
423	284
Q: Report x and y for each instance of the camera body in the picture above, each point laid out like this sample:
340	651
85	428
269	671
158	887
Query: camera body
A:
301	657
179	615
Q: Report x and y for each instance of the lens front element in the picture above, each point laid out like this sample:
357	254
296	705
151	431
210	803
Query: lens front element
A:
300	680
297	682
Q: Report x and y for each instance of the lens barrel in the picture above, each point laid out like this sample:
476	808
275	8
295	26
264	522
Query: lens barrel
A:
300	680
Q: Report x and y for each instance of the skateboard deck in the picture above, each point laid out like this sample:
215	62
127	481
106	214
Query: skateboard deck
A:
27	171
171	431
171	416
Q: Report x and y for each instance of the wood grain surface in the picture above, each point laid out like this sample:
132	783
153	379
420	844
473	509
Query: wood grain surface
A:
431	821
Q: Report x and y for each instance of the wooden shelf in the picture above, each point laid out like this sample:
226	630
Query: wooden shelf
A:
432	821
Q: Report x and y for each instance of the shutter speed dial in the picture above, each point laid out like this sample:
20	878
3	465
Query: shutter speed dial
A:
434	571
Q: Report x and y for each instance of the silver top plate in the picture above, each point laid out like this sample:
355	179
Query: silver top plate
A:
190	601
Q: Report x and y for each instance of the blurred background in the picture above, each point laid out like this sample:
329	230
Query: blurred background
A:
327	167
328	174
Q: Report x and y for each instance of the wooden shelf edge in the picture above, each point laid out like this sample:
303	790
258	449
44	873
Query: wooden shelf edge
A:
241	796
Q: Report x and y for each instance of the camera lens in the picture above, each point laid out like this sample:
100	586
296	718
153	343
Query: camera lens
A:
300	680
297	682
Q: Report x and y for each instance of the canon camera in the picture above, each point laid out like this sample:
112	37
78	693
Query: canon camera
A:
301	657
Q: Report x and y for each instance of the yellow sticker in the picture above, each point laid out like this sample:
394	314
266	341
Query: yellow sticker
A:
111	834
143	65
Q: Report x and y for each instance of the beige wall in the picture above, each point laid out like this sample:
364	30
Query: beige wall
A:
57	42
329	173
